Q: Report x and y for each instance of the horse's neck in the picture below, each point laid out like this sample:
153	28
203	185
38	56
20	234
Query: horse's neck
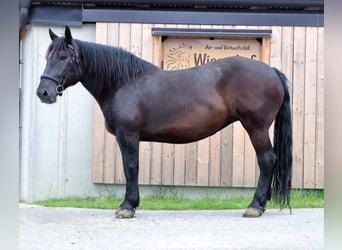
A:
98	90
92	80
105	77
94	88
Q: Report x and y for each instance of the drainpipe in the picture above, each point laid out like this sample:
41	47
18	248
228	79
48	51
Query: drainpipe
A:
24	14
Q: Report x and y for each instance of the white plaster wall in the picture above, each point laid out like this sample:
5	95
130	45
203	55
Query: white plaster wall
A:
56	139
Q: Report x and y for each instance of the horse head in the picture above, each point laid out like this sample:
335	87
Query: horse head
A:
62	68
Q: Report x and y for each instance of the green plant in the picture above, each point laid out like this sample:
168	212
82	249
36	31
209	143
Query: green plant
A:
174	201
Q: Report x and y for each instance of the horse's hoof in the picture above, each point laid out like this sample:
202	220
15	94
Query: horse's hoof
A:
252	212
124	213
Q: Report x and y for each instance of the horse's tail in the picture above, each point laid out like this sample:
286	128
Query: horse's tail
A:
283	148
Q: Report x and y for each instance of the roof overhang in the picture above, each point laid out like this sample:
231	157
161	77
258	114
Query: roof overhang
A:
248	12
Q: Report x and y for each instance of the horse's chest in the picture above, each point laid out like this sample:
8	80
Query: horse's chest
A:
110	127
109	123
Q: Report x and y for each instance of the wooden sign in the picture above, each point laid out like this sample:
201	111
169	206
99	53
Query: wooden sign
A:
187	53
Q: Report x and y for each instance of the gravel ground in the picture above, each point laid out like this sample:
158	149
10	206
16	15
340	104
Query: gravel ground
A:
73	228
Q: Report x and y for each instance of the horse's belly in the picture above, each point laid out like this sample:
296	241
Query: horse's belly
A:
185	129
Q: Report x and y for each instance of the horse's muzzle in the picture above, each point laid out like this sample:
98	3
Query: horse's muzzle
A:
46	96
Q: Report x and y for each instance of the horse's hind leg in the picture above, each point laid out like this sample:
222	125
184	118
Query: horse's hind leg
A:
266	160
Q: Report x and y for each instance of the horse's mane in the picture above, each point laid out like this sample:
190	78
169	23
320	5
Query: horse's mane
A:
112	65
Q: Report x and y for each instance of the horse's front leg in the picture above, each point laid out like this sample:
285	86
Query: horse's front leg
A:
129	146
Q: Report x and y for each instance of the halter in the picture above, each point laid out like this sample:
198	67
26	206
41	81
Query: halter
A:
60	82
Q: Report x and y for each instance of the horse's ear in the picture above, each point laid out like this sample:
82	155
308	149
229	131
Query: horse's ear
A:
53	36
68	37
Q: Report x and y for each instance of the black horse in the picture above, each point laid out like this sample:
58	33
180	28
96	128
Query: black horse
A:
140	102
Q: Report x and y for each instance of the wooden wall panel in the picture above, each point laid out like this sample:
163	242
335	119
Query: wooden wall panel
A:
99	130
310	107
320	111
146	147
298	83
227	158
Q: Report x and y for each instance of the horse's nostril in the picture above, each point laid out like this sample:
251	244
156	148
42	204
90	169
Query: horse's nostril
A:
44	92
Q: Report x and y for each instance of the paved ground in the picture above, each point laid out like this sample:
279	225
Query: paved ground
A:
71	228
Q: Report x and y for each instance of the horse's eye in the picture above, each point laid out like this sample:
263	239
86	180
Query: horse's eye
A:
62	56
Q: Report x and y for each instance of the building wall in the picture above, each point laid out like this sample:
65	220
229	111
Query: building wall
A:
56	139
65	150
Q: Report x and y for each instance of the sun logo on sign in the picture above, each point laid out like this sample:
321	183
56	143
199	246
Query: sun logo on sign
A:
179	57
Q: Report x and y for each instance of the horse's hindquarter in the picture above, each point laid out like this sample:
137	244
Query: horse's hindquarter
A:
254	90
